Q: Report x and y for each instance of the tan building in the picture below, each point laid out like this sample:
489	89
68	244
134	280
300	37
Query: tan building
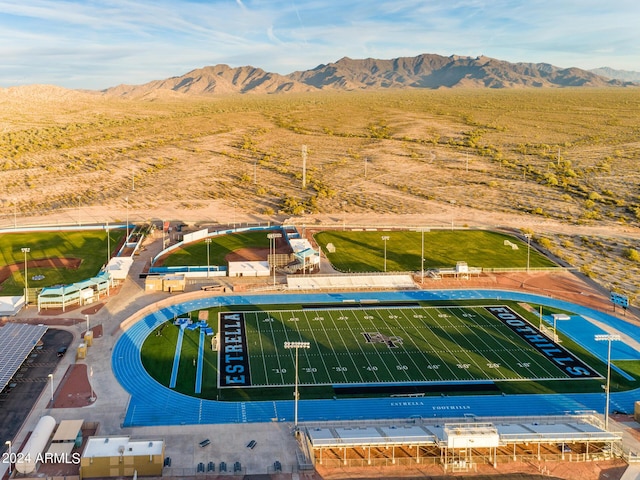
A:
120	456
165	283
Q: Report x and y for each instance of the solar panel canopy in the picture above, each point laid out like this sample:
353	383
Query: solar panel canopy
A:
17	340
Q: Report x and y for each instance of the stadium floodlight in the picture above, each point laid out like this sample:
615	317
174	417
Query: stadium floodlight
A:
208	242
607	337
296	395
528	237
384	239
422	230
272	252
26	250
8	443
51	381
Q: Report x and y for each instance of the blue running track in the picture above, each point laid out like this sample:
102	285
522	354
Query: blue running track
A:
200	362
176	359
152	404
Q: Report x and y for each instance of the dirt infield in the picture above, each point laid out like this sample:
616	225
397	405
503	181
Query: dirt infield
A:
53	262
248	255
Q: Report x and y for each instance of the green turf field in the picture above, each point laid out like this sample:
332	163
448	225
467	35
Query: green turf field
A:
408	345
363	251
88	245
158	353
391	345
220	246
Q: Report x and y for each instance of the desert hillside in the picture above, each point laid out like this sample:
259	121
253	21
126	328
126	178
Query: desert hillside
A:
561	163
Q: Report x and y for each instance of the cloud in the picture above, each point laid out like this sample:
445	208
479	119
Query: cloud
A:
100	42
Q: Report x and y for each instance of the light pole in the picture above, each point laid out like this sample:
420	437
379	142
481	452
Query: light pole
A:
607	337
108	243
79	222
453	204
51	382
422	230
126	199
528	237
93	395
26	250
87	318
8	442
208	242
384	239
296	395
234	214
272	252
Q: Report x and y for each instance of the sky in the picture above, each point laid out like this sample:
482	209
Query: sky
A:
96	44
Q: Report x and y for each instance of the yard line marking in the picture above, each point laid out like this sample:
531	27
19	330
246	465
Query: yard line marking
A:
440	333
346	349
370	318
304	351
507	339
482	339
339	368
535	357
467	350
318	348
273	339
421	319
444	348
411	336
264	364
370	366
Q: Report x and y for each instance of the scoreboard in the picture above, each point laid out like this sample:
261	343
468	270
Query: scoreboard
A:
619	299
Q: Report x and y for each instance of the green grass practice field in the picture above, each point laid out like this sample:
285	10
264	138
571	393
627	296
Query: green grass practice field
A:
88	245
363	251
406	345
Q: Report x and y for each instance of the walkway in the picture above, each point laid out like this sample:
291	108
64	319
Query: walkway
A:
153	404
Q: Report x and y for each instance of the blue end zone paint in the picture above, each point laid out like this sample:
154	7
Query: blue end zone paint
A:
200	362
152	404
176	359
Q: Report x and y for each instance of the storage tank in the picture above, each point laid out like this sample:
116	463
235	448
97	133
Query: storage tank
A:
32	451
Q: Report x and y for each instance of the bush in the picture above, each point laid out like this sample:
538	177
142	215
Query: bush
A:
632	254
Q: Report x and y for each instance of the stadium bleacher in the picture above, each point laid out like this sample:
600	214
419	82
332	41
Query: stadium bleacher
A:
325	282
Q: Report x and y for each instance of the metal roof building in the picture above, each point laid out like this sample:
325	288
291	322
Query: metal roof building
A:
458	443
17	340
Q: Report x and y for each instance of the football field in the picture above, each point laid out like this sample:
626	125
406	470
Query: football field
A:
389	346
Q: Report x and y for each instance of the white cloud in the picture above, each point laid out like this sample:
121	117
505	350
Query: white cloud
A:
104	42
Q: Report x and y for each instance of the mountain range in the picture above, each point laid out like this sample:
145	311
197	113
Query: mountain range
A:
428	71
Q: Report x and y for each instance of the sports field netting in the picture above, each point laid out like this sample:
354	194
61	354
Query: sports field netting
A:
389	345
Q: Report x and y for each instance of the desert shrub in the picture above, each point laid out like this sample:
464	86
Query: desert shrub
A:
631	254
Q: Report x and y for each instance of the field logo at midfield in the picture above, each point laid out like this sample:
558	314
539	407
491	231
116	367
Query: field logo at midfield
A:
377	337
564	359
233	357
